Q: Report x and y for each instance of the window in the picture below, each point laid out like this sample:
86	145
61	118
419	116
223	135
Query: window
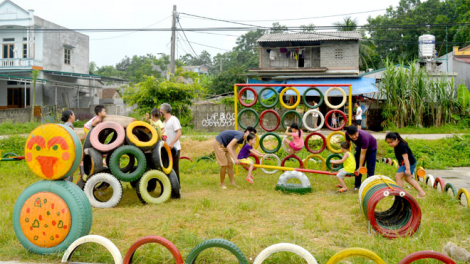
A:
8	39
15	97
8	51
67	53
25	39
338	54
25	50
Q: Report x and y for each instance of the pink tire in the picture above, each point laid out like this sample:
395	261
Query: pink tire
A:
99	134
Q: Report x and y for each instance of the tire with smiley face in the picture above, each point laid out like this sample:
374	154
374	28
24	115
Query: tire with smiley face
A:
50	215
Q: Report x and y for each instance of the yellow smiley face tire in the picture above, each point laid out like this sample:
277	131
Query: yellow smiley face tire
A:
328	141
343	102
297	102
355	252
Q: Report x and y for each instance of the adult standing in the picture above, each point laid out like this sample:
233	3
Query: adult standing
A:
358	115
224	148
173	134
366	151
315	115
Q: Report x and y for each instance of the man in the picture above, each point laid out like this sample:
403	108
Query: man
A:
173	134
224	148
358	115
366	151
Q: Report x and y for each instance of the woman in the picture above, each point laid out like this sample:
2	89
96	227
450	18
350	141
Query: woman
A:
69	118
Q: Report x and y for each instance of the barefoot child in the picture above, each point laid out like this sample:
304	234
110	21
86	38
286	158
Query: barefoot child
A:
156	122
245	153
100	112
298	141
406	160
334	120
348	167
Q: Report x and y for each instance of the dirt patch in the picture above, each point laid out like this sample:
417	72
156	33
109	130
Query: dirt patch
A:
195	149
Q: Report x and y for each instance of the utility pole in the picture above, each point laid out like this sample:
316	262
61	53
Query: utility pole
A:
173	42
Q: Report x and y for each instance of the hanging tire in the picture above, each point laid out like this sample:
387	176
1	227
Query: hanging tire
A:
153	239
343	102
439	184
270	134
328	162
270	156
165	187
426	254
248	110
450	189
218	243
50	215
301	164
355	252
133	153
92	162
93	239
276	94
100	183
142	135
328	141
304	97
285	247
323	161
162	157
175	185
291	112
464	197
339	112
100	133
323	142
278	120
297	102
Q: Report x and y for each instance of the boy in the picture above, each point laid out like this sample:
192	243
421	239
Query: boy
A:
349	166
156	122
358	114
245	153
100	112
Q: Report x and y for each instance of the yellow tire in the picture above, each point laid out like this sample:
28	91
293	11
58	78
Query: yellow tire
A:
282	101
328	139
142	135
395	163
355	252
461	192
323	161
327	102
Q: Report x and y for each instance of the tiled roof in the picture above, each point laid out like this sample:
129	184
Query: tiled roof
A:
317	36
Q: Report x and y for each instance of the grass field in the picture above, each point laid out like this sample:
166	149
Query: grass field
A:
251	216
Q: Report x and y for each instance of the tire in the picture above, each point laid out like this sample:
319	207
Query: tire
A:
293	188
256	162
270	134
219	243
464	197
87	142
328	162
323	142
285	247
240	93
175	185
285	89
204	158
278	122
53	152
304	97
186	158
450	189
339	112
97	141
143	192
260	99
430	180
301	164
130	166
248	110
153	239
142	135
132	152
439	184
323	161
426	254
71	221
270	156
162	160
366	183
342	102
291	112
355	252
90	188
92	162
93	239
328	139
305	182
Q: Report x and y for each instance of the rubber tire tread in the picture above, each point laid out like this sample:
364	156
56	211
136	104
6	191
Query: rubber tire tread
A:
216	242
441	182
153	239
175	185
293	188
133	175
355	252
109	179
426	254
96	159
467	195
142	192
119	136
93	239
452	187
285	247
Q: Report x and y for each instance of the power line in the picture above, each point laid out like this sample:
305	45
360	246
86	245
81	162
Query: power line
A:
214	34
220	20
134	32
187	39
207	46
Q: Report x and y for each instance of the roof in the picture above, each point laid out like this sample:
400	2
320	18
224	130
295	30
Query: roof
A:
317	36
109	93
465	48
464	60
8	1
84	76
383	69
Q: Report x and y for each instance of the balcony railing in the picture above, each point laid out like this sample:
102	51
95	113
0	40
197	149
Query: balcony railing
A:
16	63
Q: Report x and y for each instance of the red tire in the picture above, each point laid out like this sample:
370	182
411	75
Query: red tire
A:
339	112
426	254
301	164
186	158
98	136
315	134
441	182
153	239
256	162
277	117
389	162
240	93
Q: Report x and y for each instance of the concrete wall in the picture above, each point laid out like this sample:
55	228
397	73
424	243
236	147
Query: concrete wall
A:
340	54
16	115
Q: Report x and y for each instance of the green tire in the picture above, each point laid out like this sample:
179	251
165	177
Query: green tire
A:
304	97
204	158
270	134
260	101
219	243
328	162
78	205
248	110
132	152
293	188
143	191
291	112
451	187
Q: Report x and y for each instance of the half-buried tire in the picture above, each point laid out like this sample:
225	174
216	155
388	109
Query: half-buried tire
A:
175	185
133	153
103	190
93	239
160	193
153	239
450	189
285	187
285	247
218	243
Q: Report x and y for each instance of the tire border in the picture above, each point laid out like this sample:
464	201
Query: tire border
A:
110	246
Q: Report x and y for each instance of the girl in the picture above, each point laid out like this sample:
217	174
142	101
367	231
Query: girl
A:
406	160
245	153
298	142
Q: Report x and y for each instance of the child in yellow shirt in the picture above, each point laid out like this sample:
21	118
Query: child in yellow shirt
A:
348	167
156	122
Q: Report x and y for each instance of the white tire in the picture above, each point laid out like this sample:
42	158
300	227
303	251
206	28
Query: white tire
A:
365	183
93	239
107	178
305	182
285	247
270	156
343	93
430	180
309	112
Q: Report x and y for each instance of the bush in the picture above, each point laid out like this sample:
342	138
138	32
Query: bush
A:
13	144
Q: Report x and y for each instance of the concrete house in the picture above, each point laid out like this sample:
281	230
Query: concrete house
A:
457	61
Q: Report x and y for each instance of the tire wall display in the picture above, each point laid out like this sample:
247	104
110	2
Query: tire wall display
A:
92	162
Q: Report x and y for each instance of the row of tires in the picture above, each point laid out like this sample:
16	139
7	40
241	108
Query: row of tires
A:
235	250
389	161
462	195
326	142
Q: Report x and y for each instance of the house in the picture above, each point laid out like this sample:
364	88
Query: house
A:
201	69
457	61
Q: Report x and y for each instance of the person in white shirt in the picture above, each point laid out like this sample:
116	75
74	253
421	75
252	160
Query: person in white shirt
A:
173	133
358	115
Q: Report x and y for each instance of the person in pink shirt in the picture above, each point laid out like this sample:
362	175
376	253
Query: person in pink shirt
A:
297	142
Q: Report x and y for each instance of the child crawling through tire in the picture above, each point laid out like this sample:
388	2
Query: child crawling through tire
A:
297	142
245	153
349	166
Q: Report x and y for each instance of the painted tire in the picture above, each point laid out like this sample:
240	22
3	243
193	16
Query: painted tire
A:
248	110
219	243
285	247
366	183
162	157
141	135
355	252
439	184
450	189
277	118
270	134
328	141
304	97
293	188
240	93
93	239
305	182
133	153
100	179
389	161
256	162
328	162
323	142
342	102
339	112
130	166
323	161
464	197
282	100
426	254
270	156
204	158
304	120
61	214
291	112
92	162
143	193
186	158
153	239
301	164
97	140
175	185
260	99
53	152
395	163
430	180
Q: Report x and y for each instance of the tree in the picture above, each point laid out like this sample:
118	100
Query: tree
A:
348	24
34	76
277	28
92	67
310	28
202	59
223	83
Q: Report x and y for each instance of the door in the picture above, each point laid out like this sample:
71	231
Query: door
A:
15	97
8	54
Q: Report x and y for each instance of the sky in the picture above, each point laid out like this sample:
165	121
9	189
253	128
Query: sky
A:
109	48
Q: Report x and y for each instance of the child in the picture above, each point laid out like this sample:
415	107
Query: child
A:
69	118
333	120
156	122
406	160
100	112
298	142
245	153
349	166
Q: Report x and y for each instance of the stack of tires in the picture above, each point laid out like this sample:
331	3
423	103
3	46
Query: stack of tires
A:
134	154
51	214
